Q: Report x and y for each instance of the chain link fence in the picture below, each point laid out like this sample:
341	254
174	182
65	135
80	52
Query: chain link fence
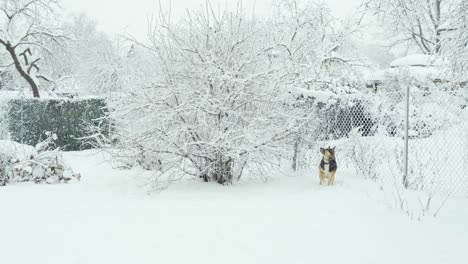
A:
438	142
369	132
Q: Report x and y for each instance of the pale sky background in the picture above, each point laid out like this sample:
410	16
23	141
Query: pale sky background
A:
130	16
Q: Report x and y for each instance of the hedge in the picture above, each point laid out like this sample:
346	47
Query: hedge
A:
340	118
70	119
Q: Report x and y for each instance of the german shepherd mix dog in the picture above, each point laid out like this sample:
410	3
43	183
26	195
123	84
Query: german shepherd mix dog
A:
327	167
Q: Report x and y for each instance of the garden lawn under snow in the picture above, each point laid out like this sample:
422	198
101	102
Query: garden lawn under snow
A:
109	218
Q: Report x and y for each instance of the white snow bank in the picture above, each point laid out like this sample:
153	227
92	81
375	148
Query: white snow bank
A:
108	219
16	150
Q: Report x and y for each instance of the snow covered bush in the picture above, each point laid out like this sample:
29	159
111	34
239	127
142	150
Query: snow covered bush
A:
340	116
216	107
90	63
432	106
40	164
454	44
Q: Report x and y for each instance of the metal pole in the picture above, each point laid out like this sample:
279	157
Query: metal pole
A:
405	176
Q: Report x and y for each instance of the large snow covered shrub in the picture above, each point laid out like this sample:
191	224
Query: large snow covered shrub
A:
215	106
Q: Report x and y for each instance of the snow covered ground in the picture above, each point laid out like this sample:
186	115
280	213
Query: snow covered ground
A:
109	218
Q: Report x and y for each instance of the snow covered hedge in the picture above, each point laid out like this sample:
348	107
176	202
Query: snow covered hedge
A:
337	115
339	118
3	122
70	119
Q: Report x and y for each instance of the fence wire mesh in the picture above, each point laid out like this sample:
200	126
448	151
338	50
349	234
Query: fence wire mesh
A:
438	143
369	134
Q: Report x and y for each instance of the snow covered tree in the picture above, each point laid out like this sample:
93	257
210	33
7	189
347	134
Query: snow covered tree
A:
215	107
314	45
423	23
26	29
456	43
90	62
315	52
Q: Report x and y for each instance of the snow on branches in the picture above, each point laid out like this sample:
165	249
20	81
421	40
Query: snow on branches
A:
27	30
217	106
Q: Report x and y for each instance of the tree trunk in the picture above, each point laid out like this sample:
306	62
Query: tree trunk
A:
295	154
21	71
223	170
437	25
220	170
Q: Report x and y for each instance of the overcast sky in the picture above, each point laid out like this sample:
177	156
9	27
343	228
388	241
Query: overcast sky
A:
130	16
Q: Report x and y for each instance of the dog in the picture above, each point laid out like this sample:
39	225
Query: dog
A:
328	166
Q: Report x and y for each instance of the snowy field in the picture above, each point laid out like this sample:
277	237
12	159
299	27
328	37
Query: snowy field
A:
109	218
221	92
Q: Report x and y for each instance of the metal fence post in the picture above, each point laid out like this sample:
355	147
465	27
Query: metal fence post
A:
405	176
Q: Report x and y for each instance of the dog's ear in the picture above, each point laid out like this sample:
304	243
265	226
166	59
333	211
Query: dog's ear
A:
322	150
334	148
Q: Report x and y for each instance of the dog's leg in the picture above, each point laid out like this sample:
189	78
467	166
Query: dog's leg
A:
331	178
322	177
